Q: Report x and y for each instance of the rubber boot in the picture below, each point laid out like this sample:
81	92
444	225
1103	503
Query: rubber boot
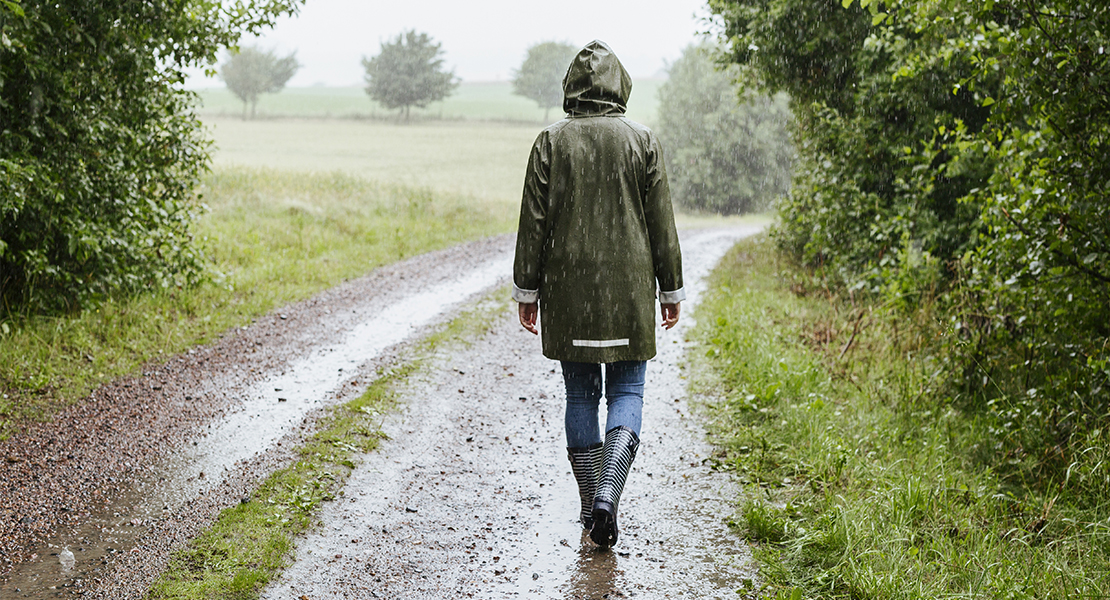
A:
586	465
620	450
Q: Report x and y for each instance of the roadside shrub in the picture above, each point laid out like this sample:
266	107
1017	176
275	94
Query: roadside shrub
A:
958	150
99	148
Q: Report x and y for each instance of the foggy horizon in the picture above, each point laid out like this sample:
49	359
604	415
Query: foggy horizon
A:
482	41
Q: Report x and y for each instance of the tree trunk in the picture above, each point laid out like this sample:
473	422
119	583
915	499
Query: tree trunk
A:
546	112
254	105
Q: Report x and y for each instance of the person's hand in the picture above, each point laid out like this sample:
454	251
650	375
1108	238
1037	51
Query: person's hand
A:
669	313
528	313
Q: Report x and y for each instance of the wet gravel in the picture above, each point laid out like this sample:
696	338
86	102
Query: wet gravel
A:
472	495
78	482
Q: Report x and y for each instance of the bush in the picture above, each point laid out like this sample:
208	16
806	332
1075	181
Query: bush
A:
960	149
99	147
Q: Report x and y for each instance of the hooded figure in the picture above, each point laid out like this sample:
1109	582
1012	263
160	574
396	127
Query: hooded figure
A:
596	229
596	241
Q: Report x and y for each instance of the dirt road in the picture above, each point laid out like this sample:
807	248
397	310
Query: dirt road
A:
471	496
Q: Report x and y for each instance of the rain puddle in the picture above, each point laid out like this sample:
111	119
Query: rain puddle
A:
270	409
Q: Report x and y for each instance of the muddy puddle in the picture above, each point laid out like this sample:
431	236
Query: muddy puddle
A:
266	408
472	495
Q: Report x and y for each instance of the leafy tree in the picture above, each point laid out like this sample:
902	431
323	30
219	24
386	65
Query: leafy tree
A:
540	77
99	148
250	72
965	143
860	200
408	72
1033	306
723	155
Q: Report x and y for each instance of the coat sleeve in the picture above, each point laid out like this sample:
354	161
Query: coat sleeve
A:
663	237
532	230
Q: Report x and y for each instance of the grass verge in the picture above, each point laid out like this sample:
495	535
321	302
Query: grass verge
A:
864	480
273	237
248	544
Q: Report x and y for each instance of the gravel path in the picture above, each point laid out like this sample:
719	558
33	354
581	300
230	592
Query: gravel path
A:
471	497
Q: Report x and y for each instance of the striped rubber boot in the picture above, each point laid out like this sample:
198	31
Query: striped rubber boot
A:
586	465
620	450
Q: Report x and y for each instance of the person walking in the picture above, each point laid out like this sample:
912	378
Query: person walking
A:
595	243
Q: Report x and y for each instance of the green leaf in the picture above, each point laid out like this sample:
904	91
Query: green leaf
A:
846	3
878	18
13	6
987	101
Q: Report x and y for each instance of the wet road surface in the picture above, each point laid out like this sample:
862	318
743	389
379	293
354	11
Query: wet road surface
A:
473	497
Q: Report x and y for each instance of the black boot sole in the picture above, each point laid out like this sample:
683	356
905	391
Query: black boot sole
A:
604	532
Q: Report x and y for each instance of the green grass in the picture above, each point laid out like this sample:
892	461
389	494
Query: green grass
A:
477	101
482	160
251	542
274	237
864	480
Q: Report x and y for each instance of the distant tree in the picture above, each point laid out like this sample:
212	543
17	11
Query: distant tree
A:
725	154
408	72
251	72
540	78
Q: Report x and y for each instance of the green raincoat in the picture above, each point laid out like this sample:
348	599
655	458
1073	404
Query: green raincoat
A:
597	237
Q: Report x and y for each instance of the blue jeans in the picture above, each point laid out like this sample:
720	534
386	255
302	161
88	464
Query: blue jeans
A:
624	398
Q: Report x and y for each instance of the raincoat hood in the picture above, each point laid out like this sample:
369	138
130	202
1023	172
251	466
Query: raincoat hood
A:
596	82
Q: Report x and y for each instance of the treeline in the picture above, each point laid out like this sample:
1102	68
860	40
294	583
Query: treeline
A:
952	157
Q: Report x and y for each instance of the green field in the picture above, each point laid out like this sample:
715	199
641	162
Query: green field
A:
475	143
478	101
482	160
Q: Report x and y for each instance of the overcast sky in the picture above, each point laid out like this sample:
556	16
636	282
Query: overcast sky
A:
483	40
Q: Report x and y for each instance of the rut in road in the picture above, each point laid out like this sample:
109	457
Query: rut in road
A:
473	497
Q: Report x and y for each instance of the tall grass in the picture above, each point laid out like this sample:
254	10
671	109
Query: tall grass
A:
864	479
273	237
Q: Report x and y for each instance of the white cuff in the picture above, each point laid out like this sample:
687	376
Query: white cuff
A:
525	296
672	297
